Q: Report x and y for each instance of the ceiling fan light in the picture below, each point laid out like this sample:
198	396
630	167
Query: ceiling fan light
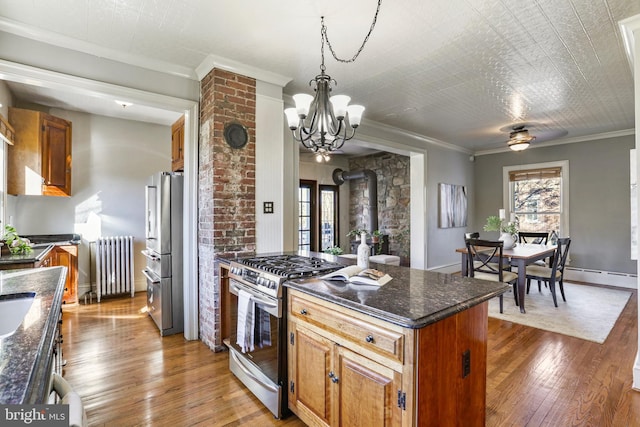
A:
516	145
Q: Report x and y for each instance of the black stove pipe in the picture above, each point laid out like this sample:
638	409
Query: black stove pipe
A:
340	176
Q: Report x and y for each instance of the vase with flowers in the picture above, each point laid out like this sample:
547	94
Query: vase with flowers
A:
508	230
17	245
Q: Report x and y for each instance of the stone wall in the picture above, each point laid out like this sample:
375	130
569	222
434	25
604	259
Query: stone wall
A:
226	188
394	197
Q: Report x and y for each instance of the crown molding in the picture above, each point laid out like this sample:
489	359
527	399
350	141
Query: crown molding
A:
215	61
627	27
55	39
594	137
31	75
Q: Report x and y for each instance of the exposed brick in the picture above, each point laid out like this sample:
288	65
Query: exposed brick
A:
226	184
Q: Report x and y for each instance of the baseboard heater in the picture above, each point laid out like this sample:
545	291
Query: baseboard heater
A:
114	266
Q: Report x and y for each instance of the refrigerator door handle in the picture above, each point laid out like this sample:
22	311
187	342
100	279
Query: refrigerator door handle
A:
150	255
149	276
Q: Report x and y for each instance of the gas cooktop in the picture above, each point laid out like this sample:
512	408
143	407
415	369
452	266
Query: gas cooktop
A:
290	266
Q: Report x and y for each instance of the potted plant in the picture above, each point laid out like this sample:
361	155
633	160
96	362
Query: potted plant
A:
508	230
357	232
15	243
334	250
376	236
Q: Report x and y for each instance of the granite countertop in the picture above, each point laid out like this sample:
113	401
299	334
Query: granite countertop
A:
43	243
412	299
25	356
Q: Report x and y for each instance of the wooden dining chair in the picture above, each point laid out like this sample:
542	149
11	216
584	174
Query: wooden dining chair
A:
535	237
486	262
555	273
540	238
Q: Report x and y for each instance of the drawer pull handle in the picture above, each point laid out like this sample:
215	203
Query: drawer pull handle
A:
331	374
303	311
369	338
335	379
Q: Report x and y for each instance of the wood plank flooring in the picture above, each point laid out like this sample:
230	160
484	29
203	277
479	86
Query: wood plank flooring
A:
129	376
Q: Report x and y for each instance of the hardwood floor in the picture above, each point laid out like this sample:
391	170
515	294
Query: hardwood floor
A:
128	375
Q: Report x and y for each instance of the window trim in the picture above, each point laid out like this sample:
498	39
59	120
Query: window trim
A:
335	189
564	203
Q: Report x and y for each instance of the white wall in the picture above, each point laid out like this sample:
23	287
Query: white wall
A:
111	161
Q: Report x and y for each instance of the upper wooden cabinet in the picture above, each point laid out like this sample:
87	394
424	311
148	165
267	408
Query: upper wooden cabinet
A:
39	162
177	145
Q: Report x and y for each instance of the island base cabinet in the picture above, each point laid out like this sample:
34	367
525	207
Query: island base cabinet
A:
451	370
331	385
350	369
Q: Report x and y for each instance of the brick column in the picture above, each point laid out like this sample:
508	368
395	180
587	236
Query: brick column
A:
226	198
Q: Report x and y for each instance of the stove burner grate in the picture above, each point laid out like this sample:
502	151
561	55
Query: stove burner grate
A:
291	266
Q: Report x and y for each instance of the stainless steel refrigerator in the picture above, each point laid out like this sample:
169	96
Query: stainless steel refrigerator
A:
164	251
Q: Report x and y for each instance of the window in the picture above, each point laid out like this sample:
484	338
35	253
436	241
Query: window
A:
328	216
306	212
538	195
318	216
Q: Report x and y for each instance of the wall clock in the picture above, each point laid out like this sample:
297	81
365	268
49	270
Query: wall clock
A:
235	135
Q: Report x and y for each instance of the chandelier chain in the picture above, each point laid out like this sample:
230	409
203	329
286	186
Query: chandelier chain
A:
325	37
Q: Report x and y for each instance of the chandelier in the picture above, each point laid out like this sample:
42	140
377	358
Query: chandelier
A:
322	123
519	138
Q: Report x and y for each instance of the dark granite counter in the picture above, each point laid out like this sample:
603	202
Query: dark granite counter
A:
25	356
413	299
36	255
43	243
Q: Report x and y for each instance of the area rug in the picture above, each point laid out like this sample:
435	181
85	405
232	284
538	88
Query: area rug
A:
589	313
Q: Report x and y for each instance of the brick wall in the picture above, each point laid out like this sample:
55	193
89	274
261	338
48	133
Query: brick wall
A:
394	197
226	188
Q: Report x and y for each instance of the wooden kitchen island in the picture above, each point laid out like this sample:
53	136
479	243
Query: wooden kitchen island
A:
409	353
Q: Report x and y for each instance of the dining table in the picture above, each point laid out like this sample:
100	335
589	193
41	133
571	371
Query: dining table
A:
519	256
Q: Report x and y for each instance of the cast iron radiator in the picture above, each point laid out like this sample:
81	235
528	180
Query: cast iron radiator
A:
114	266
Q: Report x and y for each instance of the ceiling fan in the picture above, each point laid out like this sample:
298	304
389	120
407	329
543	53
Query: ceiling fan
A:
520	138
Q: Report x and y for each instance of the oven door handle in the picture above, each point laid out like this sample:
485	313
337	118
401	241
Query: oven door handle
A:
250	374
149	277
255	297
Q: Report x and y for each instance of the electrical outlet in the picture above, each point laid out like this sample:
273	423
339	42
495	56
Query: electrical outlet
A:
466	363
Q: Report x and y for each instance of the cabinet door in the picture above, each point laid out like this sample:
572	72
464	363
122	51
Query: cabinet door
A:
56	156
309	367
177	145
67	256
367	391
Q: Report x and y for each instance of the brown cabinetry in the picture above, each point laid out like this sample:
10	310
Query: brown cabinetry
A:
350	369
342	369
67	256
177	145
59	255
39	162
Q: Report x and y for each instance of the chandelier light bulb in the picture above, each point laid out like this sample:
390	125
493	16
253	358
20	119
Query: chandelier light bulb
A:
340	103
355	115
292	118
303	103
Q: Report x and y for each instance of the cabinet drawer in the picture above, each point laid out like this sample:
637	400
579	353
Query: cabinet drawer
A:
367	335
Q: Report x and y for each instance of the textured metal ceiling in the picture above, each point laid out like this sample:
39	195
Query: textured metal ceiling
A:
460	71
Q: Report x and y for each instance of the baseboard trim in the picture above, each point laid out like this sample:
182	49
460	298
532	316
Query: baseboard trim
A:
449	268
598	277
84	288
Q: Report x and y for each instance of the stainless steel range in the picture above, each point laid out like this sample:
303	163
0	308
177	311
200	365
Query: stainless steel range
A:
257	342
